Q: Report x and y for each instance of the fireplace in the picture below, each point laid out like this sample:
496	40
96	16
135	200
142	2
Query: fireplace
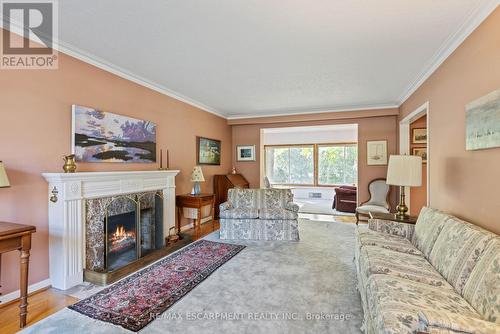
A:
78	204
122	230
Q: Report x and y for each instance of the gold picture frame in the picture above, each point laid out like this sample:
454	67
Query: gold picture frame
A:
419	136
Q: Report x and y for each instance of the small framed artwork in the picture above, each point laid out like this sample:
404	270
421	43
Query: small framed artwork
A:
208	151
245	153
482	122
421	152
376	152
419	136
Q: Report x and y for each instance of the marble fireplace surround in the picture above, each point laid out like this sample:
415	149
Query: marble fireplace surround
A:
67	215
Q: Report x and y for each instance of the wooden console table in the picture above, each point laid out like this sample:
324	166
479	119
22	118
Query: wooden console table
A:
194	202
18	237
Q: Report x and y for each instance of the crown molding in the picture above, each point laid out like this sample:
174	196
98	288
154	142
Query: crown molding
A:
277	113
475	18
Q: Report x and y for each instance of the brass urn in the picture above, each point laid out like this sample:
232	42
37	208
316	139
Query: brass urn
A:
69	163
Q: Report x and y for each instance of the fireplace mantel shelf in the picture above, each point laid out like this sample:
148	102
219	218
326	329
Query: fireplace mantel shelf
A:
68	193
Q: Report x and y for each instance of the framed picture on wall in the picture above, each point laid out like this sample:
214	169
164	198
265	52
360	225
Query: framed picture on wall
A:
419	136
208	151
245	153
376	152
421	152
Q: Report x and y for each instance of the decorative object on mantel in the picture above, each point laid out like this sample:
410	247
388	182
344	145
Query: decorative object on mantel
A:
482	122
161	161
196	178
404	171
106	137
208	151
376	152
4	180
69	163
234	171
146	290
245	153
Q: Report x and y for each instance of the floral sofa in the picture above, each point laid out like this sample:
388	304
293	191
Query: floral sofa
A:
259	214
441	275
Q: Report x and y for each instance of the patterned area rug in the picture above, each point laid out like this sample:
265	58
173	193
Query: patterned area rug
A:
136	300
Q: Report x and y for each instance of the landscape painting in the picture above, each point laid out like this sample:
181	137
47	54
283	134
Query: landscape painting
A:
106	137
483	122
208	151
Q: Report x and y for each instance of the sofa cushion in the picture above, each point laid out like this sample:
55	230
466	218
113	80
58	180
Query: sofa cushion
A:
392	227
241	213
374	260
365	209
394	303
482	289
277	214
457	250
244	198
367	237
274	198
429	224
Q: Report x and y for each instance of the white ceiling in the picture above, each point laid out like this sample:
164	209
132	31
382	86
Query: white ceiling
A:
251	58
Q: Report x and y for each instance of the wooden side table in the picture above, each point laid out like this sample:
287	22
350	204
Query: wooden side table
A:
194	202
18	237
393	217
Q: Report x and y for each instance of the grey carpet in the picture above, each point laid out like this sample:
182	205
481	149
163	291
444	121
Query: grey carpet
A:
267	281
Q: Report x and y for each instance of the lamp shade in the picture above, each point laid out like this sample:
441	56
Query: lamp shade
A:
4	180
405	170
197	175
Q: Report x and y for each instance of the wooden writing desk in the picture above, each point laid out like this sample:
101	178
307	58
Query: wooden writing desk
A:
18	237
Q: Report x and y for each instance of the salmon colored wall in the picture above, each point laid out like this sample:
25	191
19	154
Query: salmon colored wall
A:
369	128
35	131
418	195
464	183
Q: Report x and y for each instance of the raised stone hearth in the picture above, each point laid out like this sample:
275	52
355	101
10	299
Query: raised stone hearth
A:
79	204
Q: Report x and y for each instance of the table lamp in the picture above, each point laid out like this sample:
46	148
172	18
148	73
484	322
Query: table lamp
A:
197	177
4	180
404	171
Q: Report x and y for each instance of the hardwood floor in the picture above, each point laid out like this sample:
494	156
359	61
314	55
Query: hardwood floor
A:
41	304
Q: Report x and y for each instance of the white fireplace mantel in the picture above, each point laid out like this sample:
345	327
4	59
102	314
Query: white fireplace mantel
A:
66	200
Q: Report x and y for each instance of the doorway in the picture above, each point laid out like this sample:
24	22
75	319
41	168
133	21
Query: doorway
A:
414	139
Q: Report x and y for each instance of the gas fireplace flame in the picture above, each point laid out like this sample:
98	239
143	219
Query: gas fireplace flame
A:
121	239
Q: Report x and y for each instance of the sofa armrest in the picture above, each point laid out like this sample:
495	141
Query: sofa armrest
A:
392	227
447	322
225	206
292	206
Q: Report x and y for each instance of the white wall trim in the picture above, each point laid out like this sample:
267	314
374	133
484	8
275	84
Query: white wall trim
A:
32	288
315	111
476	17
404	142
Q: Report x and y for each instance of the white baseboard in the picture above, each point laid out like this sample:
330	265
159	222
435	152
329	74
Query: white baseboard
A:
16	294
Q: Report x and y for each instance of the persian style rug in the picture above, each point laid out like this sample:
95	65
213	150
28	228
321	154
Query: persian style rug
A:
138	299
